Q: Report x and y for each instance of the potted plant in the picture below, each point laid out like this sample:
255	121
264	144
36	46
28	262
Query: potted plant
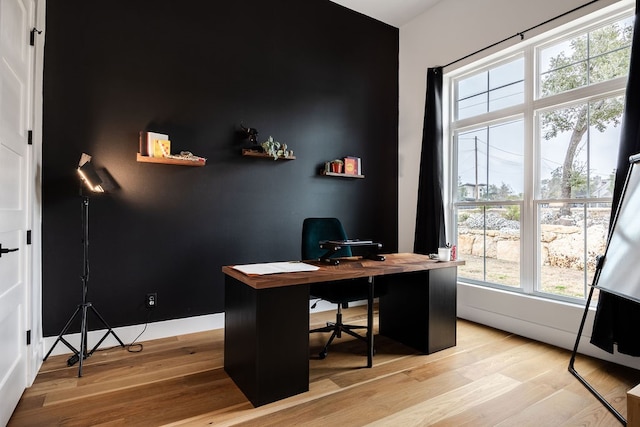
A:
336	166
275	149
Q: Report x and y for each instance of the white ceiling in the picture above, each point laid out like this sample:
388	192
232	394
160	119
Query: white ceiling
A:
392	12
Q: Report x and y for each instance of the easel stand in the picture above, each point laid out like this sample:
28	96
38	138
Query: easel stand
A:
85	306
572	369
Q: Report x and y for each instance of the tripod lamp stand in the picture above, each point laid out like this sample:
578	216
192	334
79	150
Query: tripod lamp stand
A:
92	181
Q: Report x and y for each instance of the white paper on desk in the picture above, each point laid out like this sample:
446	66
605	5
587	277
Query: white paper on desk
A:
275	267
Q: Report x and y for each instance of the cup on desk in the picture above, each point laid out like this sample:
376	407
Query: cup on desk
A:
444	254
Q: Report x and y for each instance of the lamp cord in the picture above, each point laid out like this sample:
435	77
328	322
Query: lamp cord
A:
139	346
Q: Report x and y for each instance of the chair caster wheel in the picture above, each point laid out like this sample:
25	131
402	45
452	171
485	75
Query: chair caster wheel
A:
322	355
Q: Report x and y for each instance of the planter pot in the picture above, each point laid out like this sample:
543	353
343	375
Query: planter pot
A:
336	167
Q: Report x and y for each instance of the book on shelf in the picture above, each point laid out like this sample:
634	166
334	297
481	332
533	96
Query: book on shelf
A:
352	165
161	148
148	144
143	148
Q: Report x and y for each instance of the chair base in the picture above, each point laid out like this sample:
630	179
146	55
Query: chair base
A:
337	328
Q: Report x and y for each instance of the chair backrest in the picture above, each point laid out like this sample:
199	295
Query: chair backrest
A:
315	230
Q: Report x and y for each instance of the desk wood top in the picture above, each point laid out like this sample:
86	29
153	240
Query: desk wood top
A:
347	269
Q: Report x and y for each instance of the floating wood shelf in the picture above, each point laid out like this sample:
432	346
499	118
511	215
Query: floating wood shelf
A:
341	175
163	160
252	153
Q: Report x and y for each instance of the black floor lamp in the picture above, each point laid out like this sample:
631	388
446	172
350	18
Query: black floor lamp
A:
92	181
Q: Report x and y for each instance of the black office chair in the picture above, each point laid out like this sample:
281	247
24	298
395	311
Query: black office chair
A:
315	230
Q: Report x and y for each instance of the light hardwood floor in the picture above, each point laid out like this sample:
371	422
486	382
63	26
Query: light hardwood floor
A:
491	378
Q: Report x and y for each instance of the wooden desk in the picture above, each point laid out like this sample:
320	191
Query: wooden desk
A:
266	348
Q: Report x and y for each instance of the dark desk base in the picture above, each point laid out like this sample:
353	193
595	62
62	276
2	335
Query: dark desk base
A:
266	340
419	309
266	347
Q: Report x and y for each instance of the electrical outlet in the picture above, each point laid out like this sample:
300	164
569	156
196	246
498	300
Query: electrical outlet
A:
151	301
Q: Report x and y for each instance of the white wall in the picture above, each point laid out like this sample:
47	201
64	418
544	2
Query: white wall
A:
450	30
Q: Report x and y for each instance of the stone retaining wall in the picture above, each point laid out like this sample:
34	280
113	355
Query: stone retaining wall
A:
561	246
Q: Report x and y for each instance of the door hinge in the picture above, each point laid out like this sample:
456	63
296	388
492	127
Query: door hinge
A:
28	237
32	37
29	337
30	137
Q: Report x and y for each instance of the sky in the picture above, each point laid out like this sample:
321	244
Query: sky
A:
507	162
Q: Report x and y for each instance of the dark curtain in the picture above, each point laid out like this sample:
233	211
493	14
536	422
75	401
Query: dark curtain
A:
616	317
430	232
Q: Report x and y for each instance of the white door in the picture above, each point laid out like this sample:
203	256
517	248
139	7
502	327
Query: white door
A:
16	63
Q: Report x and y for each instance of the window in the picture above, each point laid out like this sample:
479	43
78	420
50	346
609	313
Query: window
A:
587	58
490	163
534	141
490	90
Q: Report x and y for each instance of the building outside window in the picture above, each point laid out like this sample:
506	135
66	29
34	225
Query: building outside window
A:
534	138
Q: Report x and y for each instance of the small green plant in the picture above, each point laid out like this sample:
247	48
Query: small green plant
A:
513	213
275	149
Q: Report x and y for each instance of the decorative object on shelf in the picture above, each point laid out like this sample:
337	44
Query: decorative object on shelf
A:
275	149
335	166
187	156
349	167
268	149
161	148
156	148
152	144
252	135
352	165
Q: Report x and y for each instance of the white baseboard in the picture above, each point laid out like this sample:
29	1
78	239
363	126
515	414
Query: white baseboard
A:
157	330
127	334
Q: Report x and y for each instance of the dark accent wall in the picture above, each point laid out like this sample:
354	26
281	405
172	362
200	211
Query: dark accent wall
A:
310	73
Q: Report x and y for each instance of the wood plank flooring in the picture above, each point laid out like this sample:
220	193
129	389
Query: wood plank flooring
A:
491	378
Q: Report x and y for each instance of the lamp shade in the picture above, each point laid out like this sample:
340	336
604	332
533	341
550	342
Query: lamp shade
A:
89	175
